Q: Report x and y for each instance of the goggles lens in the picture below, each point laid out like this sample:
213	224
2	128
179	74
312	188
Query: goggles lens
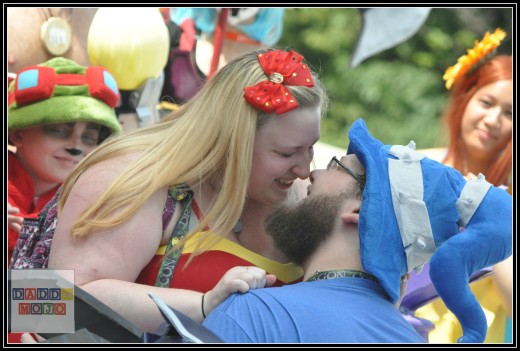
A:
38	83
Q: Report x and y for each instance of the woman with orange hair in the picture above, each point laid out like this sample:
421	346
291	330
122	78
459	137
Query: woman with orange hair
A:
479	121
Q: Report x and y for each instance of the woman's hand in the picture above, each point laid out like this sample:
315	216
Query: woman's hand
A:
237	279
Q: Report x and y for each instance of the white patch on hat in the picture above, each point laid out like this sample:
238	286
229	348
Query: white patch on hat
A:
406	184
470	198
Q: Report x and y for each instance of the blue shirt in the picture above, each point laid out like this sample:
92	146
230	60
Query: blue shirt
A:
343	310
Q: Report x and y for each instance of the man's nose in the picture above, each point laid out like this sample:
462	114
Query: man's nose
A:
315	173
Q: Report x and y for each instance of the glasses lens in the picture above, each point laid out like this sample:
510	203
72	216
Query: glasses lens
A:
335	163
332	165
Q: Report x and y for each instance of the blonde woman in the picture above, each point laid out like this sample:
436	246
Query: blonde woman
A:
219	165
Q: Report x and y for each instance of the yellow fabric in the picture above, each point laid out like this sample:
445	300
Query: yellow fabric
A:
285	272
448	329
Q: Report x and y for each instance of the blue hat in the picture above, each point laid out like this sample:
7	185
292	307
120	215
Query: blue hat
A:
416	210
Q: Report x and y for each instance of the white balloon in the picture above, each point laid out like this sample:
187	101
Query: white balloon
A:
132	43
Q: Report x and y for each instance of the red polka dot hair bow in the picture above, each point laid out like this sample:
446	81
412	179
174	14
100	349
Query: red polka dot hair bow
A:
283	68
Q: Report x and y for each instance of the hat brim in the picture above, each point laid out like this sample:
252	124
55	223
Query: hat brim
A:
382	252
63	109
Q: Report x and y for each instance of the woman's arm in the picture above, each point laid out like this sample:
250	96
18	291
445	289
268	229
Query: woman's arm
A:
107	262
131	300
120	252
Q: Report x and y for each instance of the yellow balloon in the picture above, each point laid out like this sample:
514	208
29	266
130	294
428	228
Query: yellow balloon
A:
132	43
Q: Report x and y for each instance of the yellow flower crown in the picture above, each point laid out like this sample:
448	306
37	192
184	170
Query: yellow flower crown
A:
474	57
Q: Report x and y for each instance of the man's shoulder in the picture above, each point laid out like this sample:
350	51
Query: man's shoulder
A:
249	317
256	299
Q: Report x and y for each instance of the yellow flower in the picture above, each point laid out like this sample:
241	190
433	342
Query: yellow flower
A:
474	56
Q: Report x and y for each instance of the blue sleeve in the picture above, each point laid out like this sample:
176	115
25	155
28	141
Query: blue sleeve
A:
226	327
253	317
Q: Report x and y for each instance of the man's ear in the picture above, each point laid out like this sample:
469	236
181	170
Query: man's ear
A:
350	215
16	137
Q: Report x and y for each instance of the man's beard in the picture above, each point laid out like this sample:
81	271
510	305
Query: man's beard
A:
298	229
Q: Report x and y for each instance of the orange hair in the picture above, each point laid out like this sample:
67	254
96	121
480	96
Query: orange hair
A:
496	69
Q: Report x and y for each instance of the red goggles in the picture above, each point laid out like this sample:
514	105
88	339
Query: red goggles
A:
36	83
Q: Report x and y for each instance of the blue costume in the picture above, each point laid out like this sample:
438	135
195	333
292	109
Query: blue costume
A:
266	28
341	310
411	211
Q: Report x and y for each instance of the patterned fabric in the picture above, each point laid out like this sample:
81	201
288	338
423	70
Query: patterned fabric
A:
34	243
282	68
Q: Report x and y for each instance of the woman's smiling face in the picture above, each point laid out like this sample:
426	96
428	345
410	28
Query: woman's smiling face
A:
283	151
487	121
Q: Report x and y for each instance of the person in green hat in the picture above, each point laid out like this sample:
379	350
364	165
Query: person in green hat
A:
59	111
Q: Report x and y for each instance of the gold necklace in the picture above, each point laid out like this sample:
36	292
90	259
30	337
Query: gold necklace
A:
55	33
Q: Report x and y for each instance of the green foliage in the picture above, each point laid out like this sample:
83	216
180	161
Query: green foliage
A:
399	92
395	100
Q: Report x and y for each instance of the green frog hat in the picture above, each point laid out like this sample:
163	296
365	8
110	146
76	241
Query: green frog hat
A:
416	210
62	91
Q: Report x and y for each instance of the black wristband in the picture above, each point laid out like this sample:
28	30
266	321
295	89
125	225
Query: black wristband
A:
202	306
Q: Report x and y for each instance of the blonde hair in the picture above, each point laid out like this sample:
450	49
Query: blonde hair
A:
210	138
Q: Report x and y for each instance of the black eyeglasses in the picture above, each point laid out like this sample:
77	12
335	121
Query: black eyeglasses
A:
334	163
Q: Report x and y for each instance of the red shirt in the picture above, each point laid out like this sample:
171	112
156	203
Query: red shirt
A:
21	194
206	269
